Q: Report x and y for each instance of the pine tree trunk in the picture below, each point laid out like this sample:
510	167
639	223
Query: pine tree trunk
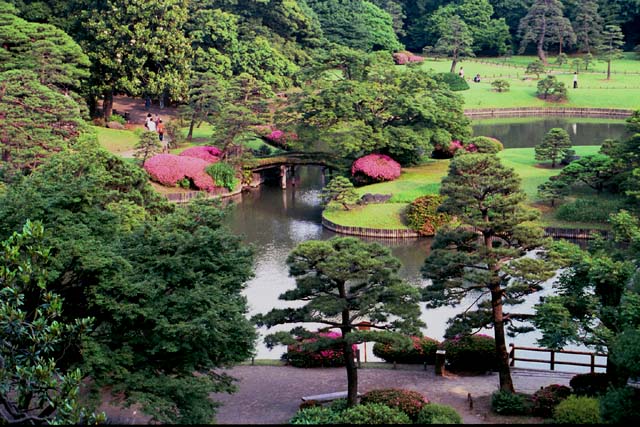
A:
540	46
352	372
191	125
504	371
453	65
609	69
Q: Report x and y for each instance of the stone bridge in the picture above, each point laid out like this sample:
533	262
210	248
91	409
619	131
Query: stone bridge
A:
284	165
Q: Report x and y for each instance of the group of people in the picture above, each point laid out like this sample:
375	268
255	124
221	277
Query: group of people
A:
155	125
476	79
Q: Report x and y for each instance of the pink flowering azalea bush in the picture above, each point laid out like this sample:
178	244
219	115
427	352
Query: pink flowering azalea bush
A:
169	169
472	353
205	152
408	401
404	57
376	168
276	136
326	357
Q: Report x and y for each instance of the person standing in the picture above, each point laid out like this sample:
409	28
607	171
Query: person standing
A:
575	79
160	129
151	124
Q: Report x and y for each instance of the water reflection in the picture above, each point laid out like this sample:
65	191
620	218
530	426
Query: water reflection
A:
274	221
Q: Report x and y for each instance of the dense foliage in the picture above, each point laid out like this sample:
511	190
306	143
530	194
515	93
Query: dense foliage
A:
408	401
300	356
476	353
422	351
435	413
375	168
423	216
577	410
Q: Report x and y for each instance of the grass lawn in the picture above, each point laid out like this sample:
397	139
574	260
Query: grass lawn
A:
594	91
116	141
425	179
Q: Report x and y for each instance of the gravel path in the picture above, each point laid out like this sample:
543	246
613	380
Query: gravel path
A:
272	394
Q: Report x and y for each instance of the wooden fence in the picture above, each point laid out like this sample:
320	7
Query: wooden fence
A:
547	111
369	232
552	360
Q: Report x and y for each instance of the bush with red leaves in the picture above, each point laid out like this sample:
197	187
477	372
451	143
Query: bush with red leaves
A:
376	168
169	169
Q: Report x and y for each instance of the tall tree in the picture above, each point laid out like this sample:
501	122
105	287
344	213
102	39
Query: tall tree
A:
455	42
555	145
344	283
587	25
597	297
35	122
360	117
137	47
358	24
610	48
543	23
485	256
35	389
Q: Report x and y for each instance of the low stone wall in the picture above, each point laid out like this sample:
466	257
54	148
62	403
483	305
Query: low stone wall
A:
612	113
369	232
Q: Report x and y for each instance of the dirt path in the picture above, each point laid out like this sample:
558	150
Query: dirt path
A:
137	112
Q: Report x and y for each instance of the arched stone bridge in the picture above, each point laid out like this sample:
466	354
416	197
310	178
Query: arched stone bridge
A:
284	165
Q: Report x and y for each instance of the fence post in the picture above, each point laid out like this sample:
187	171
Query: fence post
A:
440	358
553	360
512	355
593	362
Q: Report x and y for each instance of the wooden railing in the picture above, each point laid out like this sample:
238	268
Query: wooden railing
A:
552	362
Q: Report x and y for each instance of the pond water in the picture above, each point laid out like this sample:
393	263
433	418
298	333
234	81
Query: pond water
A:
274	221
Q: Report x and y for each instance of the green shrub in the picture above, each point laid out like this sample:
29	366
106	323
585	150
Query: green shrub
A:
577	410
184	183
408	401
500	85
620	406
434	413
547	398
223	174
454	81
117	118
589	210
309	404
338	405
483	144
315	415
550	89
507	403
331	355
423	351
373	413
422	215
592	384
475	353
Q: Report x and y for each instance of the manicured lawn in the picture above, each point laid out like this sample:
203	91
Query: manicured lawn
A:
116	141
425	179
594	91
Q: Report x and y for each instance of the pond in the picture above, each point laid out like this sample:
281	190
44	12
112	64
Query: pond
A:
274	221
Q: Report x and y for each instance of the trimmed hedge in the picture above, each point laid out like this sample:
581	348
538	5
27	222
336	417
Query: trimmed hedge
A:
507	403
591	384
373	413
408	401
327	357
546	399
473	353
577	410
423	351
422	215
434	413
454	81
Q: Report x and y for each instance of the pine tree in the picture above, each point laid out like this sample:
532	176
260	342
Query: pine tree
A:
587	25
543	24
555	145
456	41
609	49
485	255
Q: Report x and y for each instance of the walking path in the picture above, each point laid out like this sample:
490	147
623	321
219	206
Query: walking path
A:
272	394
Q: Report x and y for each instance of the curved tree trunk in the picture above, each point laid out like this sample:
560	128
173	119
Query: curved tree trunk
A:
107	104
504	371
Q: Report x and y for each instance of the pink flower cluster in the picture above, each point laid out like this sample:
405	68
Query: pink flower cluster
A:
405	57
205	152
327	353
275	136
168	169
379	167
455	145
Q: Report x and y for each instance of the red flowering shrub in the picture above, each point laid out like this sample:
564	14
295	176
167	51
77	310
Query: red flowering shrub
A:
205	152
423	351
375	167
474	353
546	399
408	401
327	357
169	169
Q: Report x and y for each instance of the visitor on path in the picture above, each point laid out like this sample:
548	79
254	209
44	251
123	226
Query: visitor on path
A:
575	79
147	120
461	72
151	124
160	129
476	79
157	120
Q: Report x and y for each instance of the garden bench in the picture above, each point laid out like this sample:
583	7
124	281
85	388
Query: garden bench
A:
327	397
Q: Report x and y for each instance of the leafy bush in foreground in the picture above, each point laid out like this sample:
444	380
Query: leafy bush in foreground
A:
408	401
577	410
373	413
434	413
423	351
